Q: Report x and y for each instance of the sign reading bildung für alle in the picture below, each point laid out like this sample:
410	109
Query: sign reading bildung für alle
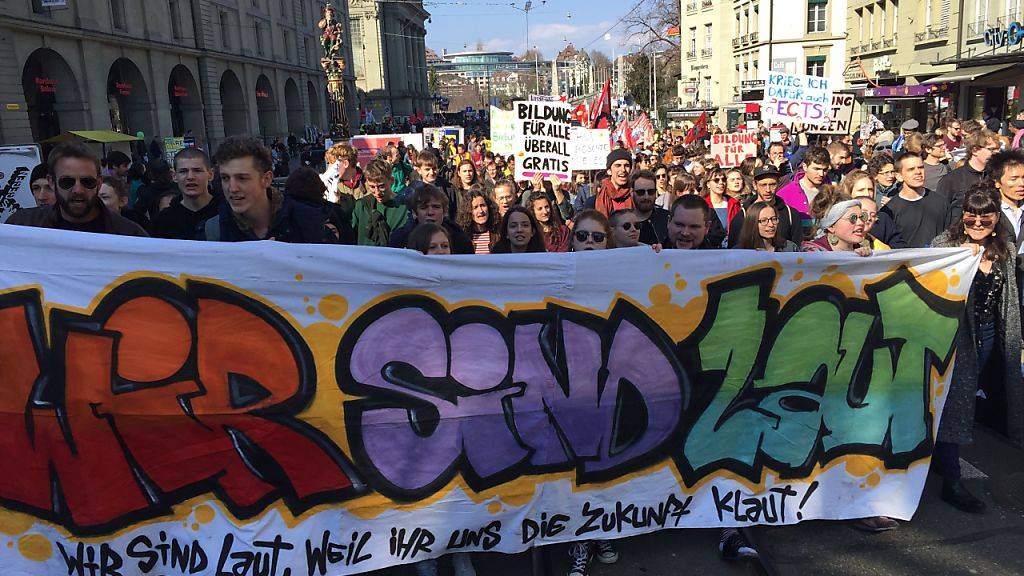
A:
731	149
792	98
543	134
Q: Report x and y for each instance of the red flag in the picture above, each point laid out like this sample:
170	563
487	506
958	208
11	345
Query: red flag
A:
602	106
581	115
641	130
699	130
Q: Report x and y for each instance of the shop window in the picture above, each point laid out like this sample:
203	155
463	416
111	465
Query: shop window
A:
816	15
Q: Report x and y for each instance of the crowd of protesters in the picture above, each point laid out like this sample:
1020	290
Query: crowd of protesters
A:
961	185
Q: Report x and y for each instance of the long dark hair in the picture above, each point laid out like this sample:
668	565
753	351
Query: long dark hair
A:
555	221
982	198
465	217
750	235
504	245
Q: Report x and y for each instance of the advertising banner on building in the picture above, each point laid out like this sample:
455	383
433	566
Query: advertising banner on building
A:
503	131
336	410
733	148
16	164
796	98
542	138
434	135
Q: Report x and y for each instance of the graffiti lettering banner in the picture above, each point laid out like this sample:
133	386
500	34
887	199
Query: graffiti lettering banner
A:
262	408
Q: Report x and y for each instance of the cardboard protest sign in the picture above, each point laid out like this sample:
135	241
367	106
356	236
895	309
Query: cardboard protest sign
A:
733	148
543	135
367	147
839	117
589	148
245	405
791	98
503	131
16	164
434	135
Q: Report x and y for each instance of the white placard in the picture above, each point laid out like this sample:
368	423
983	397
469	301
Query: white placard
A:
542	139
16	164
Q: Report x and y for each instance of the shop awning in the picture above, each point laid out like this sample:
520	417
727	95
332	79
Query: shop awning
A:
969	74
103	136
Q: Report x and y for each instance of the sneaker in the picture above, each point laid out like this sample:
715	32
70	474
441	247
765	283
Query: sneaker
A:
606	553
579	558
734	546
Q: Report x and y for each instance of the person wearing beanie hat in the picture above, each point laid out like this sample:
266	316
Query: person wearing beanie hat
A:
615	193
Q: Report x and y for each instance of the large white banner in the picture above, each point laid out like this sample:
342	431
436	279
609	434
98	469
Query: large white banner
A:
336	410
16	164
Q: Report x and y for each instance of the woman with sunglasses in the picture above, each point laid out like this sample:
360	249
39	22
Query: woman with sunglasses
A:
592	231
553	231
625	228
519	233
842	228
713	186
990	337
662	180
760	230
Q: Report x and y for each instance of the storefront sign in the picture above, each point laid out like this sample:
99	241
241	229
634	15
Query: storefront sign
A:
180	92
793	98
898	91
53	3
1011	36
46	85
123	88
752	90
184	407
13	107
262	94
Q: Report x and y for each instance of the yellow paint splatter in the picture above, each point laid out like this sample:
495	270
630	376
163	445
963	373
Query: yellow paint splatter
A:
14	523
10	544
310	310
667	265
799	274
204	514
680	284
298	277
831	268
939	390
195	527
677	321
799	260
660	295
35	547
874	479
305	299
936	282
494	507
954	280
858	465
333	307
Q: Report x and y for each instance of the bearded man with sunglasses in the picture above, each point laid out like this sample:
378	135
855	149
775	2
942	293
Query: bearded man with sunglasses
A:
75	176
653	219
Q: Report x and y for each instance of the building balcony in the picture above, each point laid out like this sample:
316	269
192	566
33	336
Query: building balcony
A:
854	50
753	37
705	4
735	42
1011	17
931	34
691	7
976	29
691	54
889	42
705	53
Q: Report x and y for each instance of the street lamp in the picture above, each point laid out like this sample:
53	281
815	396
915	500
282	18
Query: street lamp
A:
526	10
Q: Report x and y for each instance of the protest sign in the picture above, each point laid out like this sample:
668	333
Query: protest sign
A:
331	409
367	147
434	135
172	145
589	148
839	117
16	164
542	139
733	148
503	131
791	98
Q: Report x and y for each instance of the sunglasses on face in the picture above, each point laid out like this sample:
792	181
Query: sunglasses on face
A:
854	218
717	180
645	191
68	182
979	220
627	226
660	176
582	235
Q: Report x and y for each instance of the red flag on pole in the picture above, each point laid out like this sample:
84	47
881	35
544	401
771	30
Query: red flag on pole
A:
602	106
699	130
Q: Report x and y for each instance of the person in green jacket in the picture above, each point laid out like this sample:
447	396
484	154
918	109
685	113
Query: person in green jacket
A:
400	168
375	215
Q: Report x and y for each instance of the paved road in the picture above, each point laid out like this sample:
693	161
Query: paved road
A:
939	541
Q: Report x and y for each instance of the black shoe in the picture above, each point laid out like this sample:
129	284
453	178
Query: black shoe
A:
735	546
957	495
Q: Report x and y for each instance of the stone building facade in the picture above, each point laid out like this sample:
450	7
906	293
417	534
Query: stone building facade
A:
201	68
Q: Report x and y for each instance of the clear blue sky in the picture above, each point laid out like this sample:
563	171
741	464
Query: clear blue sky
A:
458	25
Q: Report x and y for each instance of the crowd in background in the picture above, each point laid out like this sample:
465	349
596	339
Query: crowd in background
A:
960	185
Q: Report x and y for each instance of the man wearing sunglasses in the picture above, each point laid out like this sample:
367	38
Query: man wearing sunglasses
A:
75	177
918	213
653	219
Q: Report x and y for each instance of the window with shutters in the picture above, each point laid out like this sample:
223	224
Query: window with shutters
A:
816	66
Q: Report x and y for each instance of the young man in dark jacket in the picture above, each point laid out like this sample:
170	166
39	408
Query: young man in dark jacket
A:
428	204
196	205
252	209
75	177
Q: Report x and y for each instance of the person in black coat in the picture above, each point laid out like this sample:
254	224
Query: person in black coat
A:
428	204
